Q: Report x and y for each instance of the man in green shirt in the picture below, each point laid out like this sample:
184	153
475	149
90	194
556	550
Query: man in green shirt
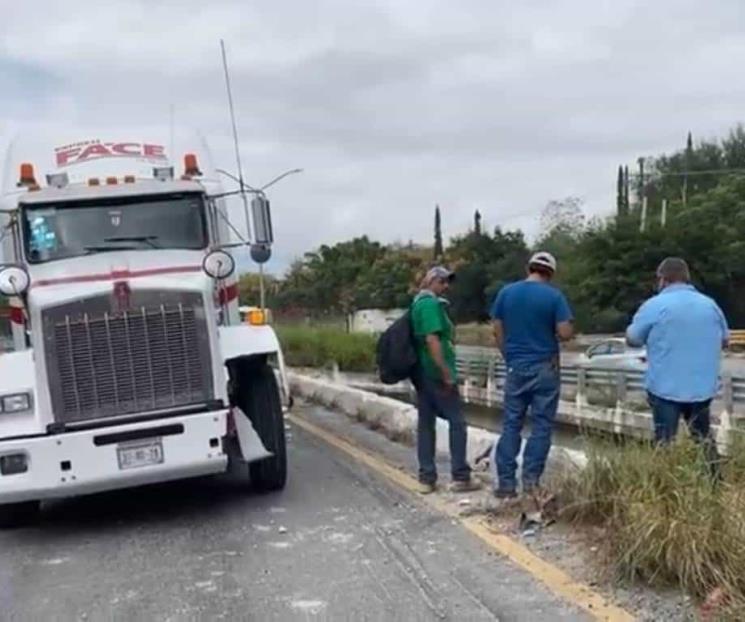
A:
436	383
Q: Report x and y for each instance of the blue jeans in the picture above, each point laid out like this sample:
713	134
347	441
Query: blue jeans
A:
535	387
434	401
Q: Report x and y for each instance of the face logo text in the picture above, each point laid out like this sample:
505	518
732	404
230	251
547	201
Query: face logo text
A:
86	151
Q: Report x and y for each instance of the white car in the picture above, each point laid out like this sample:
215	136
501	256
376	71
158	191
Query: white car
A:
614	354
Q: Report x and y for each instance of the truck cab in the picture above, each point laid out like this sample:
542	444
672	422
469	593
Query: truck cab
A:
131	364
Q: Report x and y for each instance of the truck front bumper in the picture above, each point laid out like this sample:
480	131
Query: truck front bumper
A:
84	462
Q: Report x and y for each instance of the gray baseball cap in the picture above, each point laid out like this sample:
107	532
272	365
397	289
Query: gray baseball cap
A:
439	272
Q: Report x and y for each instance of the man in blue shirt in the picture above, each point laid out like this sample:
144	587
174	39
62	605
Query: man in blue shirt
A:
684	332
529	318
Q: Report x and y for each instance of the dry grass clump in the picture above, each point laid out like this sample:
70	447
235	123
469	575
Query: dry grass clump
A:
666	519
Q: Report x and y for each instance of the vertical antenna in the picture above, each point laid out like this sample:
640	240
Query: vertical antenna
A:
235	139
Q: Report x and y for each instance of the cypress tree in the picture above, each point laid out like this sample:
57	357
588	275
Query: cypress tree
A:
438	253
620	199
626	202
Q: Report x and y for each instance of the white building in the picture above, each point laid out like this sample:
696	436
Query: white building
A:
373	320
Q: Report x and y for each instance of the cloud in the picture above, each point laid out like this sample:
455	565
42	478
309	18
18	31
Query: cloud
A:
393	107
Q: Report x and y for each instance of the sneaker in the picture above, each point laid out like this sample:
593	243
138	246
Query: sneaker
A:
500	493
426	488
466	485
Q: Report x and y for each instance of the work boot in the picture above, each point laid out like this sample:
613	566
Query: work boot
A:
465	485
504	501
426	488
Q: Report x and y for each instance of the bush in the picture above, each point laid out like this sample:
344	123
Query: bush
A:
319	347
666	519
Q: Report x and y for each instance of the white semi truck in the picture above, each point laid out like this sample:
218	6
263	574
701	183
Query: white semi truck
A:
131	363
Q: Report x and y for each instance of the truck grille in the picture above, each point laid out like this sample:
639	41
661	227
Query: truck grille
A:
103	363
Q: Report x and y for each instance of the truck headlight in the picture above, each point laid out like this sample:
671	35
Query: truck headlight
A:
16	403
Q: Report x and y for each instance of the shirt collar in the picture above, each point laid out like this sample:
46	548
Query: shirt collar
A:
428	293
677	287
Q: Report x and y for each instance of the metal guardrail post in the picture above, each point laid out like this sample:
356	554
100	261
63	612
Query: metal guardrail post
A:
490	382
728	394
620	389
581	397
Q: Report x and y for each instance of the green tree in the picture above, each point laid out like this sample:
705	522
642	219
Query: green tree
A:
325	280
392	280
249	289
482	264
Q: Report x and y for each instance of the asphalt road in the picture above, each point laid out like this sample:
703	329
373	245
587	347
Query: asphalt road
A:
338	544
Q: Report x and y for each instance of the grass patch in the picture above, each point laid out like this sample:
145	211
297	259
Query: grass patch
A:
474	334
666	521
320	347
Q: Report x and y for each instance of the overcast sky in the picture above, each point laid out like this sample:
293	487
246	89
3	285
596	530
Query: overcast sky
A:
392	106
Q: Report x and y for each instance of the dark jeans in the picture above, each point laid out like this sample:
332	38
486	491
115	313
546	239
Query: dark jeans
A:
697	415
666	415
433	401
535	387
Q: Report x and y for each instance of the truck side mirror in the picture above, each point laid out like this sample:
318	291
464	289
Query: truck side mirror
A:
262	220
14	280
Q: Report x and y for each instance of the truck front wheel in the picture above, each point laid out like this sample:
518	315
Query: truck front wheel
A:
14	515
257	395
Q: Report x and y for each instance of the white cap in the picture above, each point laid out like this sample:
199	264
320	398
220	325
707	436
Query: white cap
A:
542	258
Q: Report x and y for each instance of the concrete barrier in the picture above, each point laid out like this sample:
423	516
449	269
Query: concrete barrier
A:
398	420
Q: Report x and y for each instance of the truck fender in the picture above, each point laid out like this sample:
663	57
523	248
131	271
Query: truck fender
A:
246	341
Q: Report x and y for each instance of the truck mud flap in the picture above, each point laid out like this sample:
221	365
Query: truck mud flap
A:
248	440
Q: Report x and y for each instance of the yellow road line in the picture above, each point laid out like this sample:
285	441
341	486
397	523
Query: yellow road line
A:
555	579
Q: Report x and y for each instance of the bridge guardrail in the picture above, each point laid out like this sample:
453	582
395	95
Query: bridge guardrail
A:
489	369
737	337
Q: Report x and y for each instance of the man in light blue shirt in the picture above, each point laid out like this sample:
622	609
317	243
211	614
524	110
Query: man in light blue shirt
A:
684	332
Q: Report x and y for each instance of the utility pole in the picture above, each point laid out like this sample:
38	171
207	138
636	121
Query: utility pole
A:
663	213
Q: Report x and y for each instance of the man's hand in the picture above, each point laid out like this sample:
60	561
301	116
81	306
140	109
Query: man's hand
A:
447	379
498	332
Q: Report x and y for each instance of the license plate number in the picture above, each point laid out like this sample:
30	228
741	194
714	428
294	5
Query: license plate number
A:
140	454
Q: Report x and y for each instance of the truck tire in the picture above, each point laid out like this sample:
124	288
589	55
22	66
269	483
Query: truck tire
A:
257	395
13	515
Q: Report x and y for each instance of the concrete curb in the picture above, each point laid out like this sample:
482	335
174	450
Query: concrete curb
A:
399	420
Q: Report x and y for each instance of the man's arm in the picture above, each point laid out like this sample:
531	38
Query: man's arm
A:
496	314
564	319
724	327
434	345
565	330
641	325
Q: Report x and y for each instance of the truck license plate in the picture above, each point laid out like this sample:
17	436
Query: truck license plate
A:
140	454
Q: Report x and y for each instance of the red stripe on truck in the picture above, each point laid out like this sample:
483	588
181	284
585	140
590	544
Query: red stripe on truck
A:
117	275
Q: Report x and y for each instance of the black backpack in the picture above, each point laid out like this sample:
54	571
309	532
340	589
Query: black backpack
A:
396	351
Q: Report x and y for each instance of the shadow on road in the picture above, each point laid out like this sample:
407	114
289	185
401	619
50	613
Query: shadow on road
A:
175	502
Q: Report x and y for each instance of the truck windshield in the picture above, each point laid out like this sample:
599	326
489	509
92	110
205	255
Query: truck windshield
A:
54	231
